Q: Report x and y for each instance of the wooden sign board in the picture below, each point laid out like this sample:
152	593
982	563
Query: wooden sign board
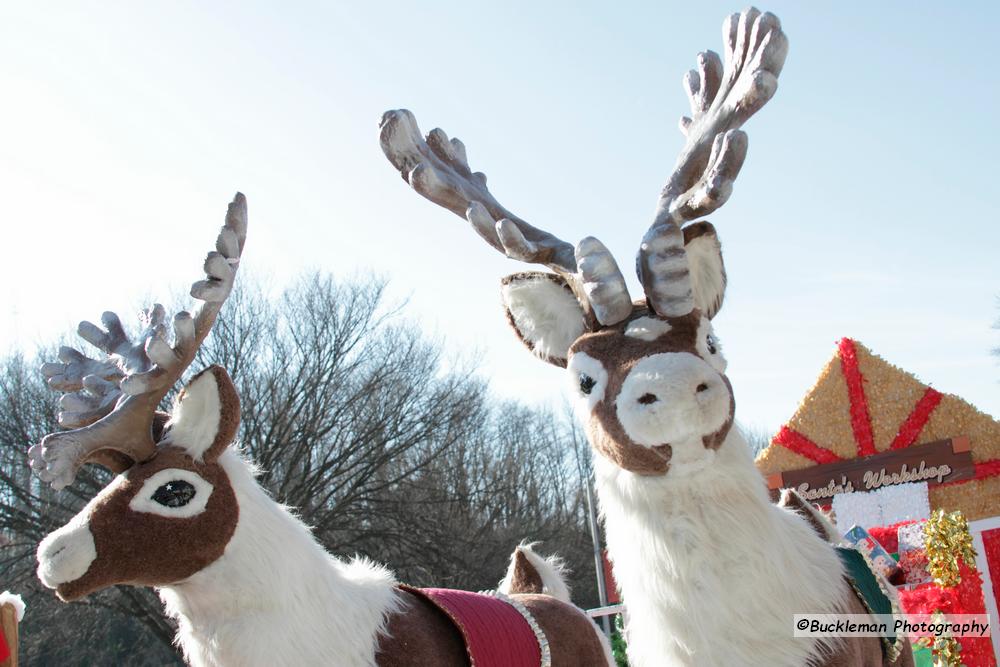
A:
934	463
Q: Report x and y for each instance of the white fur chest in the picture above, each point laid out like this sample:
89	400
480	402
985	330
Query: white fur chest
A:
712	574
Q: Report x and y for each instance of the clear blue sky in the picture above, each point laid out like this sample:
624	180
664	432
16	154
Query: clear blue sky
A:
866	207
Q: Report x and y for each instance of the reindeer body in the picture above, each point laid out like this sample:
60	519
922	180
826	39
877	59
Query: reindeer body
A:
711	572
246	581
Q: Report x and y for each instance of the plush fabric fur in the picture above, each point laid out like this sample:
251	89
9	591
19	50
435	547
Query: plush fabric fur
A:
641	436
791	499
420	634
245	580
647	328
15	601
544	312
711	571
276	597
708	272
141	548
529	572
195	420
573	638
522	577
67	553
206	416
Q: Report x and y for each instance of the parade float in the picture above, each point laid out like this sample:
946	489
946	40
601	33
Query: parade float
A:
907	471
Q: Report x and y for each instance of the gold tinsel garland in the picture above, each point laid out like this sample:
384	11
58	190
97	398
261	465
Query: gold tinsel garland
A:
947	540
947	652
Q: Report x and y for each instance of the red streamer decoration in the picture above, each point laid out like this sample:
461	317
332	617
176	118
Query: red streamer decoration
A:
888	536
910	429
861	422
988	469
984	470
803	446
991	547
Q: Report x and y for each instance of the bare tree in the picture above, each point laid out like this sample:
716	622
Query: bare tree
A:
356	419
757	437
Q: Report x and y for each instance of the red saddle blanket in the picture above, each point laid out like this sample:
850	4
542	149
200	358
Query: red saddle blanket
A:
495	633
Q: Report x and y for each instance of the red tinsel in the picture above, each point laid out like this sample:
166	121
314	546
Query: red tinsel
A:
910	429
800	444
888	536
991	552
988	469
966	598
861	422
984	470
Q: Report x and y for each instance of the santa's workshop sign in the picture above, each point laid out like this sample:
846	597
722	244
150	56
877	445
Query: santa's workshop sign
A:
867	424
934	463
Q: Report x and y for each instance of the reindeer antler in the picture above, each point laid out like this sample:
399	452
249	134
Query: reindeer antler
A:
438	169
111	403
722	99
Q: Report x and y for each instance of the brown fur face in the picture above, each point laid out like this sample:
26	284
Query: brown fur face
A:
142	548
650	385
161	521
652	389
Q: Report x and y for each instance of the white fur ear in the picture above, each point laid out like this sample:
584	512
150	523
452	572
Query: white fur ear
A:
544	312
708	273
194	422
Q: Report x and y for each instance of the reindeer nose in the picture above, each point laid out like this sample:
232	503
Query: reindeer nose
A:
647	398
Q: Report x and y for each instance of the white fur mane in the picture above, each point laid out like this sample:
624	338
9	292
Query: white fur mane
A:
711	571
276	597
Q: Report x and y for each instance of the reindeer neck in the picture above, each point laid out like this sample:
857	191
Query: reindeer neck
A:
696	557
276	592
729	485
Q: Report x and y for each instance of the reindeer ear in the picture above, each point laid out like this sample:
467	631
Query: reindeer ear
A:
544	312
206	416
708	273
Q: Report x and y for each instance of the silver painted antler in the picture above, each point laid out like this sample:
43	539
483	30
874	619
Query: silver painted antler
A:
438	169
111	403
722	99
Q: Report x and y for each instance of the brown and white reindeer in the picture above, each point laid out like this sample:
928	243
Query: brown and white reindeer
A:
246	581
711	571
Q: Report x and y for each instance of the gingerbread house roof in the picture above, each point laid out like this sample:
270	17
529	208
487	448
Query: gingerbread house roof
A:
862	405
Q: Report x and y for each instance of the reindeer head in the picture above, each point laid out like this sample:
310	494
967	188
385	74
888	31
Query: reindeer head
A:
649	375
171	510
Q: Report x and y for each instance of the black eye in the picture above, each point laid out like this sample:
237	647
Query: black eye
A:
177	493
711	343
586	383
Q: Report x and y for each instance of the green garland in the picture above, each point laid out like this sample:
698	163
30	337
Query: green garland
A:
618	645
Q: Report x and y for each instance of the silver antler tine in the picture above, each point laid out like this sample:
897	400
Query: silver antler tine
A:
722	98
111	414
603	282
438	169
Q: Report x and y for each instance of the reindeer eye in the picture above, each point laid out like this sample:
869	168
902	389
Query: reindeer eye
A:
586	383
176	493
710	342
